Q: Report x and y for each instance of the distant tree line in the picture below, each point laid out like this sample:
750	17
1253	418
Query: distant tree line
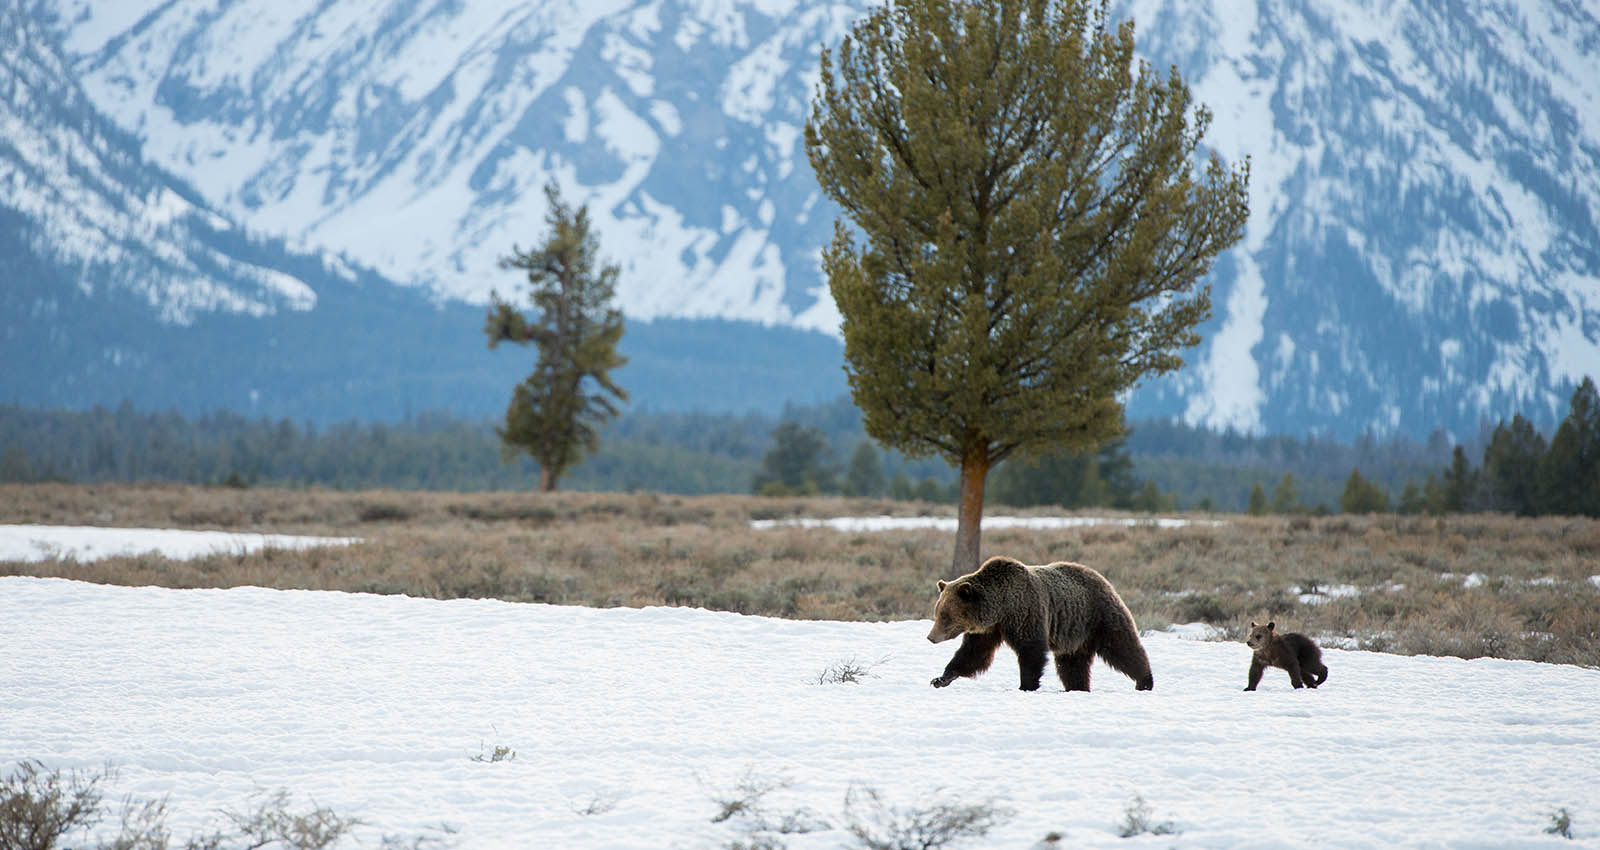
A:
1524	474
821	449
686	453
1521	473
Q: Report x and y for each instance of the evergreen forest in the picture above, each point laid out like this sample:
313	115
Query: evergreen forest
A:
822	449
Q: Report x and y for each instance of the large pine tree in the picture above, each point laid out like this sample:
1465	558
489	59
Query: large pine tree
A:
1028	226
555	414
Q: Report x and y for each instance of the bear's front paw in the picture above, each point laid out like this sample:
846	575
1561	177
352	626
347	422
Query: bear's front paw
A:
1250	687
942	681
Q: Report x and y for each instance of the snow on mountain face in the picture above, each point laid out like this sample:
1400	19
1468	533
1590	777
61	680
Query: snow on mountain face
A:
418	136
73	189
1423	244
1423	248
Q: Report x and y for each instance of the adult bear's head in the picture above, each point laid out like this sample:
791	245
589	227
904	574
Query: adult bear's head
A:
975	602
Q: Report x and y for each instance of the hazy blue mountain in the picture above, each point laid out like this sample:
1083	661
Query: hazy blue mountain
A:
119	281
1423	250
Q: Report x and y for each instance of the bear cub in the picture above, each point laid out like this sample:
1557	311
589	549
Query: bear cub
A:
1291	651
1065	609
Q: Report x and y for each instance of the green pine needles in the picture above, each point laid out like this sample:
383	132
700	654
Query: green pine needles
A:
1027	226
556	413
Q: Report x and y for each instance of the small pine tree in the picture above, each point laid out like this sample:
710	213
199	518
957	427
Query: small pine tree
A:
900	488
1362	496
795	465
1286	497
1572	465
556	413
1512	466
929	490
865	477
1460	481
1069	479
1258	501
1412	500
1433	498
1151	500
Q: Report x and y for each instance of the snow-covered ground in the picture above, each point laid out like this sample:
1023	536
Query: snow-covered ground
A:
375	707
89	543
628	725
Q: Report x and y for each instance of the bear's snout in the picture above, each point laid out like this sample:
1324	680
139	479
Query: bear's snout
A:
936	635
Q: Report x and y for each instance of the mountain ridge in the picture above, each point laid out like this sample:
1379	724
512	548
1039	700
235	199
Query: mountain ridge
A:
1422	253
119	281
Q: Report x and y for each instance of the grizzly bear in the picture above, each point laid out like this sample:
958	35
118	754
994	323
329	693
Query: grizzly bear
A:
1291	651
1067	609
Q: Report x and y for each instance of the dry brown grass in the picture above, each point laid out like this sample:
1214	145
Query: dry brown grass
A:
1534	601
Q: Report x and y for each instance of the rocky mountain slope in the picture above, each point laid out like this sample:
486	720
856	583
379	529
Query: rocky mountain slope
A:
119	280
1423	250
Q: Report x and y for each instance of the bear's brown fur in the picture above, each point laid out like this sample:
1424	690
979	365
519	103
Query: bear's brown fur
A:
1290	651
1065	609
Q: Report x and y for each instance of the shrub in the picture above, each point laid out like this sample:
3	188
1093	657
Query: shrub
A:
1560	823
877	825
745	796
382	512
597	803
39	808
498	754
849	670
272	824
1136	821
744	804
606	550
1207	607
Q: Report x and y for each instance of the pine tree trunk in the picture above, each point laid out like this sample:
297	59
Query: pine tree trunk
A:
547	480
974	472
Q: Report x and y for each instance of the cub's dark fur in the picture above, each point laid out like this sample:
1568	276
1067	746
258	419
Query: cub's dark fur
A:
1291	651
1065	609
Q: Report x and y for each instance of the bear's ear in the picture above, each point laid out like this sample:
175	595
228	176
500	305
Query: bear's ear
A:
967	590
1254	624
1271	625
942	584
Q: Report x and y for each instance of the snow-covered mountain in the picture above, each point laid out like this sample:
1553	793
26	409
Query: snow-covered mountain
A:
418	135
118	280
1424	241
1423	249
75	193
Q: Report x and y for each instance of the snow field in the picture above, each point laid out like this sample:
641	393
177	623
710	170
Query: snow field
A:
88	543
374	706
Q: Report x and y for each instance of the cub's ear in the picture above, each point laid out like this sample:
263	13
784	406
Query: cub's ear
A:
1254	624
1271	625
942	583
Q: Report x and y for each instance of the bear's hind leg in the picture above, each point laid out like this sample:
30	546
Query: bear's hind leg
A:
1126	655
1293	668
1074	669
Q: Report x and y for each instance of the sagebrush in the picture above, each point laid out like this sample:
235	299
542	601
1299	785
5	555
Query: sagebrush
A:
1481	585
44	809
